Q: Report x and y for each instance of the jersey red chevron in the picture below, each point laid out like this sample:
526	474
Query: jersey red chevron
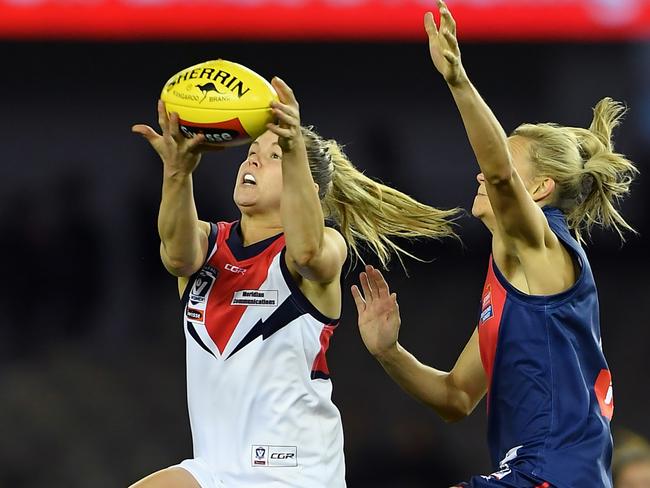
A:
221	317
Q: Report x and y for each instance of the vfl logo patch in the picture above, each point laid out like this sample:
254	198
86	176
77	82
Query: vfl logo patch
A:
197	301
276	456
259	458
486	314
202	285
256	298
487	311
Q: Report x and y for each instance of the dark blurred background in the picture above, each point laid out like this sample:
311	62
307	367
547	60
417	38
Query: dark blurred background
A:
92	357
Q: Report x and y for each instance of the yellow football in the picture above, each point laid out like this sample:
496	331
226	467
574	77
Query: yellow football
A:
225	101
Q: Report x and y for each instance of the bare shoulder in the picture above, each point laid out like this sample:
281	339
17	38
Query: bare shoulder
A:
336	239
205	227
546	269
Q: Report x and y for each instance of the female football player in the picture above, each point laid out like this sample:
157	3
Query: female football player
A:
262	297
537	348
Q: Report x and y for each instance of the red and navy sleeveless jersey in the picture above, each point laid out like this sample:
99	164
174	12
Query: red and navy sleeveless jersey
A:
550	395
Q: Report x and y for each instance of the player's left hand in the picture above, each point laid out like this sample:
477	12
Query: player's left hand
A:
443	45
379	319
287	113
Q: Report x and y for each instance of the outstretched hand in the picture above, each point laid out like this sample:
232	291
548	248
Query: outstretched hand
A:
379	318
443	45
287	114
178	153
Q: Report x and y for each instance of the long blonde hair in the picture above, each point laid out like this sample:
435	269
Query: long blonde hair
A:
366	210
590	177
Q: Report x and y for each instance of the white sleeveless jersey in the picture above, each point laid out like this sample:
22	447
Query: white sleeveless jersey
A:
258	386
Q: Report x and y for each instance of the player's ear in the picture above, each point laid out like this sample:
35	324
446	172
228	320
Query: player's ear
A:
543	189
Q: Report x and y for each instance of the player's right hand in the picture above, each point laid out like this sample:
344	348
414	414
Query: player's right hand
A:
379	318
178	153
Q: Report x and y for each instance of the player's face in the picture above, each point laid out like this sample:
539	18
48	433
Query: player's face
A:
259	180
636	475
518	145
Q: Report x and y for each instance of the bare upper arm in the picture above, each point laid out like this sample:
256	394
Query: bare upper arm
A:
467	377
326	266
205	229
193	263
184	280
519	219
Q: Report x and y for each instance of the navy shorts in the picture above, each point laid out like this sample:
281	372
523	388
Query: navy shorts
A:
505	479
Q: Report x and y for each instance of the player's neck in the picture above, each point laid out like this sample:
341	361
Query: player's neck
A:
256	228
489	222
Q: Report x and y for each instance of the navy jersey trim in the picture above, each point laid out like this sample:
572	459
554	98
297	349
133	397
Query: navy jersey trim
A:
241	252
319	375
282	316
212	240
297	295
195	335
547	300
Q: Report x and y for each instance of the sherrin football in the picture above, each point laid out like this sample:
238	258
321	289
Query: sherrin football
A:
225	101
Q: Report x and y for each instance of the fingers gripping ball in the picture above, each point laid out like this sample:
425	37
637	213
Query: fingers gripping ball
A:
225	101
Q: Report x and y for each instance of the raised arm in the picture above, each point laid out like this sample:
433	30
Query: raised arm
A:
183	238
315	252
518	217
454	394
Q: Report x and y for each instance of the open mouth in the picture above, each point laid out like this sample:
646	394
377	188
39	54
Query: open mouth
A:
249	179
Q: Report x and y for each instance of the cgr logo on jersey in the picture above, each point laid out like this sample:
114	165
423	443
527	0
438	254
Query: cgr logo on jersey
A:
202	285
234	269
276	456
487	311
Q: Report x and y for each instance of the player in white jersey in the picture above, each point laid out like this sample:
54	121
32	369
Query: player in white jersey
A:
262	297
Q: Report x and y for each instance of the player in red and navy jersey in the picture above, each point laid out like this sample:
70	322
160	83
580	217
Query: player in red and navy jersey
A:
537	348
262	298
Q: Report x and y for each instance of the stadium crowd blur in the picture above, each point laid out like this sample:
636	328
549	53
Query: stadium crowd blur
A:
92	386
631	460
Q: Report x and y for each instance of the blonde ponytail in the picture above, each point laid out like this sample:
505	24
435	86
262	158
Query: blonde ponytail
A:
606	176
367	210
590	177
